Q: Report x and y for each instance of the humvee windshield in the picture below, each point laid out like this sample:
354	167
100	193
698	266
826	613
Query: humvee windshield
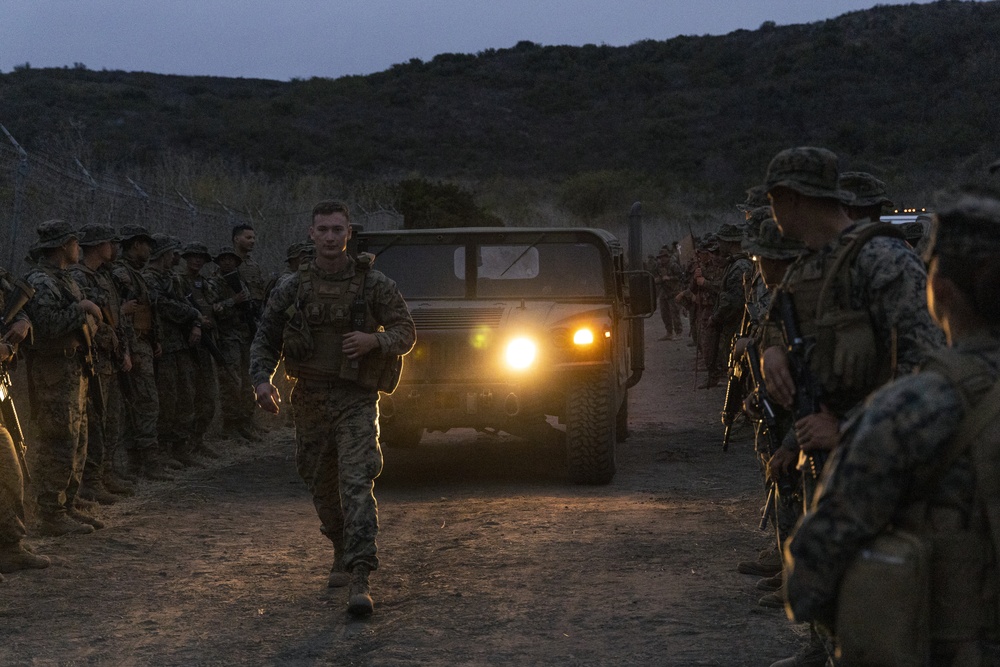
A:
541	270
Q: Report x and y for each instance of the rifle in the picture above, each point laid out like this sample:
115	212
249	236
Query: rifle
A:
249	309
808	392
733	404
762	406
20	295
207	341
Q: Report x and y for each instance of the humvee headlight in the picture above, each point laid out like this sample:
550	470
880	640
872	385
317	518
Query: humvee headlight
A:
521	353
583	337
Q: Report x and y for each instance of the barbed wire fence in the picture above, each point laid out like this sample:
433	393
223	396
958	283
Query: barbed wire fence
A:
35	187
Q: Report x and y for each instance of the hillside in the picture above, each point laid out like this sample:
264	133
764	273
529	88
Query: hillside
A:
909	92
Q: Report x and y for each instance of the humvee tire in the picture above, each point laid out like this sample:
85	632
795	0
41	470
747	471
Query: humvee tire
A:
400	434
590	433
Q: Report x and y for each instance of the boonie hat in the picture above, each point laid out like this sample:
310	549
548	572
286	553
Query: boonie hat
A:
163	244
93	234
807	170
770	244
195	248
867	190
227	250
52	234
756	197
968	227
135	232
729	232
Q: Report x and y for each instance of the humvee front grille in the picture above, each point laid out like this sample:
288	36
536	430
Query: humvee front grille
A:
456	318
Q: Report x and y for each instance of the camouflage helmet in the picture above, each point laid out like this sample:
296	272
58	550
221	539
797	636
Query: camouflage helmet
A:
93	234
810	171
770	244
135	232
196	249
162	244
867	190
730	232
968	227
52	234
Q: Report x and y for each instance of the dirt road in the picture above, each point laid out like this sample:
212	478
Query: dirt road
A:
489	557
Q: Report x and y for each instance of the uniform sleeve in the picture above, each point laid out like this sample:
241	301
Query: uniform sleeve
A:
392	313
904	426
166	295
265	351
52	314
897	301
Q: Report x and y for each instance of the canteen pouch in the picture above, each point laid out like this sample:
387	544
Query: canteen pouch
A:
883	616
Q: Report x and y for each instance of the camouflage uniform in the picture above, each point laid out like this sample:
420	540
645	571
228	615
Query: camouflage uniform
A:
175	374
203	292
57	382
336	421
110	347
253	277
234	329
890	460
142	404
669	276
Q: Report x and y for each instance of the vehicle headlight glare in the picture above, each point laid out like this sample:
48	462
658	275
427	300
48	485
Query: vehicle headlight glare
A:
521	353
583	337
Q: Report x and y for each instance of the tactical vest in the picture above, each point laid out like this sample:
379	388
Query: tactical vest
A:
323	315
820	287
324	310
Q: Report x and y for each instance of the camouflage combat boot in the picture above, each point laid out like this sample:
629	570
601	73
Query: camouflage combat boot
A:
183	451
79	513
768	564
93	489
360	601
151	466
60	523
116	484
14	557
339	577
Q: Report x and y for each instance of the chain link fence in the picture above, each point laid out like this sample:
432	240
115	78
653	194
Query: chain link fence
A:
35	187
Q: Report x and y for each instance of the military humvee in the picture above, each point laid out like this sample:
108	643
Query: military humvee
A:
514	325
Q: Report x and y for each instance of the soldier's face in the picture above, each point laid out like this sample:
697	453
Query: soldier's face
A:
245	240
783	206
194	262
330	233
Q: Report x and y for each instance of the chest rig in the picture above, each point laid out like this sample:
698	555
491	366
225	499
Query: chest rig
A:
845	357
325	309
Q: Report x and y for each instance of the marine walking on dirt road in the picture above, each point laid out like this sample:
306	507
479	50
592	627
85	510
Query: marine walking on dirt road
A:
340	326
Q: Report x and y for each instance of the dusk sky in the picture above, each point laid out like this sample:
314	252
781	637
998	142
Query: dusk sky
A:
306	38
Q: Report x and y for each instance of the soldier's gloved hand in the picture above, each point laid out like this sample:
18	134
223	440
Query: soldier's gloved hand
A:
6	351
854	356
268	398
127	362
128	307
195	336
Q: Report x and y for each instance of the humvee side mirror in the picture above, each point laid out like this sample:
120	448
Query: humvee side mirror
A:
642	293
